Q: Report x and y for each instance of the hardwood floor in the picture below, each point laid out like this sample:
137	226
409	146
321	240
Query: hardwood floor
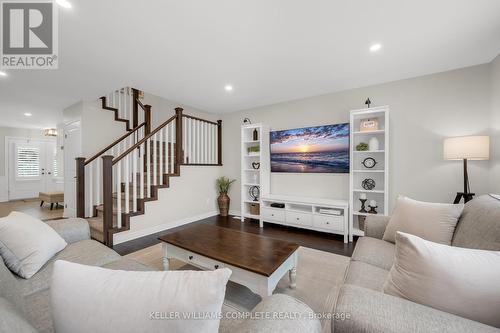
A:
31	207
308	238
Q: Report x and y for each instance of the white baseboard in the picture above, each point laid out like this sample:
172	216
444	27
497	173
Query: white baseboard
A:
130	235
235	212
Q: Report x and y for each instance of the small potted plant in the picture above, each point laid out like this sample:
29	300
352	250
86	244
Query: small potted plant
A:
223	186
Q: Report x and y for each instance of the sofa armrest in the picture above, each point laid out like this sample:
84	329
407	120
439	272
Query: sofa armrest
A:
72	230
373	311
300	317
375	225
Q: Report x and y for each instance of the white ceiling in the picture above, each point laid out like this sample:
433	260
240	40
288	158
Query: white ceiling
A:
269	50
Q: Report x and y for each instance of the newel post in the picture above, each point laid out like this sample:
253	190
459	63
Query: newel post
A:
107	194
80	187
219	142
147	118
135	107
178	140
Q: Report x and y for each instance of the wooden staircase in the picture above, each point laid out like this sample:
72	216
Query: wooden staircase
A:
97	221
114	185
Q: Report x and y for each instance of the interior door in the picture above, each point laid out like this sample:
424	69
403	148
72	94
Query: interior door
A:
72	150
31	164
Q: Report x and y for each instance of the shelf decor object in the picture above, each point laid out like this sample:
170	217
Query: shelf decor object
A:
369	162
467	148
362	146
369	170
255	169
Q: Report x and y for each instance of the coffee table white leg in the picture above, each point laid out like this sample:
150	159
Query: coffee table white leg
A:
293	277
166	260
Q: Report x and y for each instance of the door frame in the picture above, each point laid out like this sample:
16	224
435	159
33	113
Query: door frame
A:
7	142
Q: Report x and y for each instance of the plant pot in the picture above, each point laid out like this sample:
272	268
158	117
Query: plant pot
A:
223	201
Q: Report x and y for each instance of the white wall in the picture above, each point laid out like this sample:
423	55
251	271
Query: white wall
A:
495	126
162	109
190	197
424	111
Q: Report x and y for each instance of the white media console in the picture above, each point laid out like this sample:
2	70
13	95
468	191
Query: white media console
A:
325	215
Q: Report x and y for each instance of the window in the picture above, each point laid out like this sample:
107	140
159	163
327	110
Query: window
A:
55	171
28	162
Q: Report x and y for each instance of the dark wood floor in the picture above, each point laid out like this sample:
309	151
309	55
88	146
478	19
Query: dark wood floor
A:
313	239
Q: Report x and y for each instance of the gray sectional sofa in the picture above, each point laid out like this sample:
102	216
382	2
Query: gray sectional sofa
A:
370	310
25	304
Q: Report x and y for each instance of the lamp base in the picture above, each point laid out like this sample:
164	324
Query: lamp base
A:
467	197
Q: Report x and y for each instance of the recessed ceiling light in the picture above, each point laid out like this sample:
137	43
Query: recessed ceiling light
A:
375	47
27	114
228	87
3	73
64	3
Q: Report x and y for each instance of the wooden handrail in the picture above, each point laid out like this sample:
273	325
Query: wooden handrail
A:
199	119
113	144
128	151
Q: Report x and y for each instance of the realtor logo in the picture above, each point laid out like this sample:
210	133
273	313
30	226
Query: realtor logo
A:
29	35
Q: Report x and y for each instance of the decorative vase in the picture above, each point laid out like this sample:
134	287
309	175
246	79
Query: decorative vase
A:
373	144
255	135
223	201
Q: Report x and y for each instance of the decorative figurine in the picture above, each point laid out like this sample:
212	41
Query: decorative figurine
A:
255	135
246	121
254	192
372	205
368	102
368	184
362	146
256	165
363	208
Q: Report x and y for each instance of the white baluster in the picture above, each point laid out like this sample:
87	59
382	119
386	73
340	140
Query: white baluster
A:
148	167
127	184
184	138
161	155
198	142
141	172
90	197
215	143
210	143
172	145
119	195
207	143
98	181
190	139
134	180
155	160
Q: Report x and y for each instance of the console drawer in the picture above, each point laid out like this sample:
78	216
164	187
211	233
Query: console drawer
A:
193	258
298	218
329	222
273	214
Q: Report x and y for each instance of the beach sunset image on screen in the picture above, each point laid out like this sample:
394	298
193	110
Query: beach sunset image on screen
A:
321	149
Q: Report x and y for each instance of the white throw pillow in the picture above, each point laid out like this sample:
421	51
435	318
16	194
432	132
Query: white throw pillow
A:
435	222
27	243
93	299
457	280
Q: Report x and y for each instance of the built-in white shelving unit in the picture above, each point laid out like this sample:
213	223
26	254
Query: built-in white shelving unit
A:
250	175
358	172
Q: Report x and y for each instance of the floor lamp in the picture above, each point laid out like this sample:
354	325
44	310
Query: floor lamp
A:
474	148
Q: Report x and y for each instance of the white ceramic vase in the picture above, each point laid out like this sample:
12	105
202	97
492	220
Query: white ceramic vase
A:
373	144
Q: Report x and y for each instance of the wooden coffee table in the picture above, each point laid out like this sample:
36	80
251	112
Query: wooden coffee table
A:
256	262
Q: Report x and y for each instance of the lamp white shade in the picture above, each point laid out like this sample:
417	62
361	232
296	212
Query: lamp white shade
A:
467	147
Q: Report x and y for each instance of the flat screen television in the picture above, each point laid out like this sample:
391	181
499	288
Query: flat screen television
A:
320	149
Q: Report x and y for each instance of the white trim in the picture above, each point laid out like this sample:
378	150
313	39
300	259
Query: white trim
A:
126	236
